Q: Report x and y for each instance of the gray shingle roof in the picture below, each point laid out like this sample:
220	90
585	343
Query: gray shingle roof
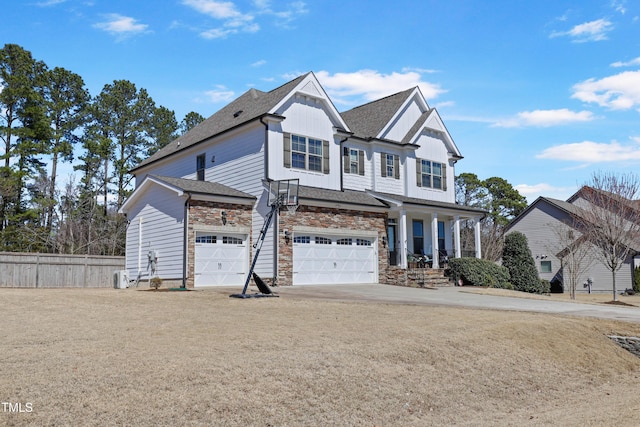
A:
203	187
366	121
347	196
430	203
250	106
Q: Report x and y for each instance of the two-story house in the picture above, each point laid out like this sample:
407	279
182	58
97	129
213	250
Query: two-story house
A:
376	185
551	225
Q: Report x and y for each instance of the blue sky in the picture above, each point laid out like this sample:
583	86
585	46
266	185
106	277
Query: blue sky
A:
542	94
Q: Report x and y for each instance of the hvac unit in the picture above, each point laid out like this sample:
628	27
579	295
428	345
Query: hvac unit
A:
121	279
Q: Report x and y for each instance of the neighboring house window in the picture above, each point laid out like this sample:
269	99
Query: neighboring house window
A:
545	266
200	160
301	152
431	174
390	165
353	161
418	237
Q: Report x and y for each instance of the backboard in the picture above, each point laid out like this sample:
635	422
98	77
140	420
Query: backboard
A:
284	192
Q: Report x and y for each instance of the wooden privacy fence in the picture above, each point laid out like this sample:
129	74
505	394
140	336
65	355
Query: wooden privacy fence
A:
30	270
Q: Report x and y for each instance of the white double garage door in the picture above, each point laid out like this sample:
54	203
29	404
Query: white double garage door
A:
334	259
223	259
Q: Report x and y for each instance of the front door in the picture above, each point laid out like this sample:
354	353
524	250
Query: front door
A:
391	236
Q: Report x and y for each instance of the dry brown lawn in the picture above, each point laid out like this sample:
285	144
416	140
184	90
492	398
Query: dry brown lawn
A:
140	358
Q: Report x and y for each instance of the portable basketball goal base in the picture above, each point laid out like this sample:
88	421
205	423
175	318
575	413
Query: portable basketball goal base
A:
283	193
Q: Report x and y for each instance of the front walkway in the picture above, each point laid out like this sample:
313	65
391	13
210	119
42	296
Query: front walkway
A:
456	296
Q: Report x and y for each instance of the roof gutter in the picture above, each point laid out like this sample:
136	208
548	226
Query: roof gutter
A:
259	118
185	241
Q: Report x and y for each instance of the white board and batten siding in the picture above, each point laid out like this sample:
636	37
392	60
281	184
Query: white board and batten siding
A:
157	224
305	117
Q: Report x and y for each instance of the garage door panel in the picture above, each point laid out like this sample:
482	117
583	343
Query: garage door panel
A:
316	261
220	260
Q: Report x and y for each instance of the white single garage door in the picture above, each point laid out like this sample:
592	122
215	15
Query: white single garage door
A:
326	259
220	259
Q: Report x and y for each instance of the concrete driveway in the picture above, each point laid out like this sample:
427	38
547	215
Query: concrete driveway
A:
456	296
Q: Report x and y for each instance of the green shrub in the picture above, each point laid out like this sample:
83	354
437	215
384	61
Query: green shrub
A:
479	272
517	258
545	286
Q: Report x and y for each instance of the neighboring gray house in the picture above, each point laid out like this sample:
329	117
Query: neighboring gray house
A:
540	222
376	185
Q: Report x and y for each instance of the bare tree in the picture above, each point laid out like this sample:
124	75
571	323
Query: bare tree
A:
610	218
575	253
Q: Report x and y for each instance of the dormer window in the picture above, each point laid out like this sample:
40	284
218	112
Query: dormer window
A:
200	161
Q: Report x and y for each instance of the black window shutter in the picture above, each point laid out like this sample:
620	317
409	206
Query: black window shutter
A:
345	160
383	164
396	167
287	149
419	172
325	156
444	177
360	162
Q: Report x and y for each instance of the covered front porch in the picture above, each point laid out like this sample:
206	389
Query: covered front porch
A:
426	233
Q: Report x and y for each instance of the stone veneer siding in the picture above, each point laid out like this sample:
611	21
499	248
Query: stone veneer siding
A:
202	213
328	218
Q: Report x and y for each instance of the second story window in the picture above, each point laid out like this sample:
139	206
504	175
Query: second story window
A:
431	174
200	160
301	152
353	161
390	165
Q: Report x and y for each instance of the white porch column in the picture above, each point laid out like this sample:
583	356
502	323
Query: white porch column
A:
477	236
456	237
402	231
435	255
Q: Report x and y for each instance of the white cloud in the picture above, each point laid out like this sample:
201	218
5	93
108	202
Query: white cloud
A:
233	21
220	94
122	26
372	85
617	92
631	63
592	152
588	32
532	192
546	118
46	3
259	63
215	9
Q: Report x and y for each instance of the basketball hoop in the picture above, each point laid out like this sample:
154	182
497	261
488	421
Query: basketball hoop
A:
292	208
284	193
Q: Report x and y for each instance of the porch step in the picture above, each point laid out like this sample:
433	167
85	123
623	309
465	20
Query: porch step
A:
418	277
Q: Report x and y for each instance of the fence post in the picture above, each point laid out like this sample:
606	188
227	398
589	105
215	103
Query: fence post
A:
37	270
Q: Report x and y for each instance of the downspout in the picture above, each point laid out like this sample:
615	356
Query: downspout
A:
275	225
342	163
266	148
185	241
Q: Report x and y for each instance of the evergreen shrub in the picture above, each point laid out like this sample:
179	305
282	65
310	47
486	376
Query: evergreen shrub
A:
479	272
517	258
